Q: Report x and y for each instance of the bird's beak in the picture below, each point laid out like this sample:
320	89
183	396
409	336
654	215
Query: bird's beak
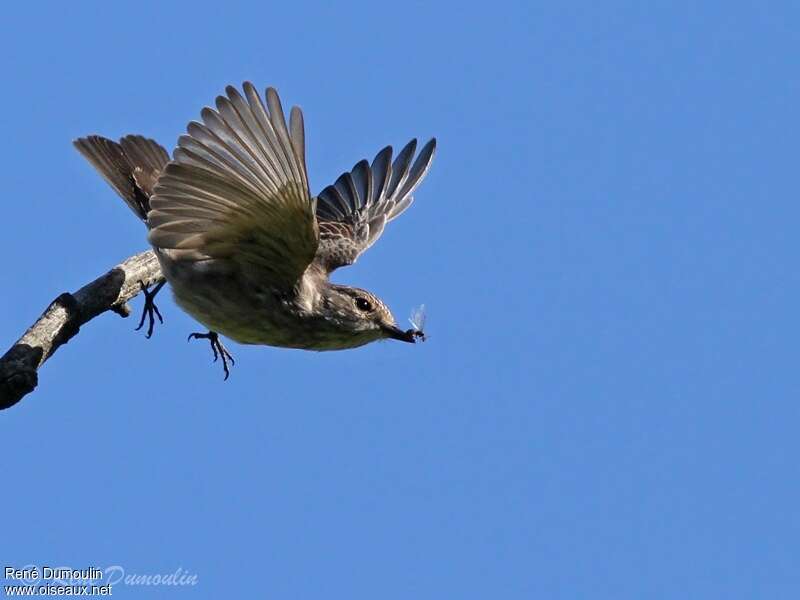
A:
394	332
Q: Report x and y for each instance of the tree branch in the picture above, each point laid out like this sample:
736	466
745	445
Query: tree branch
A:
63	318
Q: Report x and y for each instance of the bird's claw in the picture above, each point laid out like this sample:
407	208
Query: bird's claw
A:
150	310
217	348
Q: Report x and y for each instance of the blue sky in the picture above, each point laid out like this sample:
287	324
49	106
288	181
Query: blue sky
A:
607	405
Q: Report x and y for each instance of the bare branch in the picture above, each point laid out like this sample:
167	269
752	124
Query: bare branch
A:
63	318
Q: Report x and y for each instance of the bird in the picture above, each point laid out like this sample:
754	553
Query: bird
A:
245	247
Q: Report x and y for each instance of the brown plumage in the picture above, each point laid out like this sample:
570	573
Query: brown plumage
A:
245	247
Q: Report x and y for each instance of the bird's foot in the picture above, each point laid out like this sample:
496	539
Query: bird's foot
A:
217	348
150	310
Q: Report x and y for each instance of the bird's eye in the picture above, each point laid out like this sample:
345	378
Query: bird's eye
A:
363	304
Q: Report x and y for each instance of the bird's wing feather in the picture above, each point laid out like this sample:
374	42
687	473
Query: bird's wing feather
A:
237	190
353	212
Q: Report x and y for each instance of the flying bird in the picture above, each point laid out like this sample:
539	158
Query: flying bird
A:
245	247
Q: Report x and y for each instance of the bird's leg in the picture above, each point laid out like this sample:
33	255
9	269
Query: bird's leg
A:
217	348
150	310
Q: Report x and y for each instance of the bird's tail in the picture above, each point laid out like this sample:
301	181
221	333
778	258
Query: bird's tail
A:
130	166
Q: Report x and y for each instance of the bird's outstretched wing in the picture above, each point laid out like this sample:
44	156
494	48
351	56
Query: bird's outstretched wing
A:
237	190
353	212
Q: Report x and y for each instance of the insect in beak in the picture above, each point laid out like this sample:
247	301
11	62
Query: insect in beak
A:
417	321
394	332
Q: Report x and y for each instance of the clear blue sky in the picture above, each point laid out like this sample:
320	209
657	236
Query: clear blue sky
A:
607	406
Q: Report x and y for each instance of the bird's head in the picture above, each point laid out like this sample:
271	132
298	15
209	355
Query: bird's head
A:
362	315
